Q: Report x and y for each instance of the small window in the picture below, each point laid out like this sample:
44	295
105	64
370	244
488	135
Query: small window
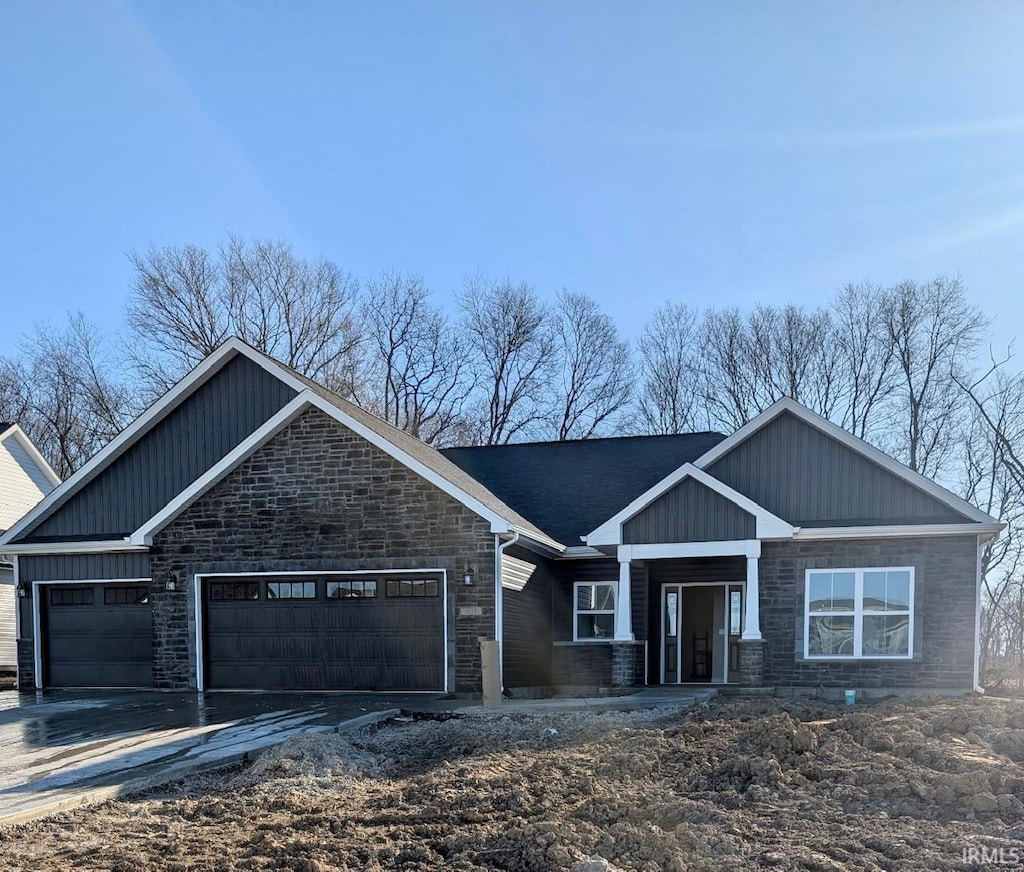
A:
126	596
594	609
735	612
234	590
411	587
859	613
71	596
278	590
351	589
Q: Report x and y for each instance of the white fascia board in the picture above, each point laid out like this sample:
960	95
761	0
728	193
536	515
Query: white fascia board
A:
898	531
14	431
273	426
95	546
768	526
306	399
732	548
850	441
498	523
138	426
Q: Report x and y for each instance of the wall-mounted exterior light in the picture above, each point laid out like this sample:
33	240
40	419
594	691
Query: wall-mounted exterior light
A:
172	582
467	576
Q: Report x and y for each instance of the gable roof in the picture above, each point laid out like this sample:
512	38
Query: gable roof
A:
767	525
408	450
609	531
11	431
847	439
568	488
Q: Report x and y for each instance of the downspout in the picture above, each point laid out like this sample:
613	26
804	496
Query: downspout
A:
977	623
499	602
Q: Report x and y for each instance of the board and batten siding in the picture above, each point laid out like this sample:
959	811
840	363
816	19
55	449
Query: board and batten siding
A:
810	479
689	512
22	483
185	443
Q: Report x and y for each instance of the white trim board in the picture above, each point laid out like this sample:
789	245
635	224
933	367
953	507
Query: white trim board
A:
15	431
139	426
850	441
897	531
767	525
91	546
197	601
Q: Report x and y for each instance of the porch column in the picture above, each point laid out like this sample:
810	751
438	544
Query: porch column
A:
752	604
624	600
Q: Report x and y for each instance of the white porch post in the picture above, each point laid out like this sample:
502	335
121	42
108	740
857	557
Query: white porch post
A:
752	604
623	599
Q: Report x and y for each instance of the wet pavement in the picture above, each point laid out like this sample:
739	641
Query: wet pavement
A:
58	749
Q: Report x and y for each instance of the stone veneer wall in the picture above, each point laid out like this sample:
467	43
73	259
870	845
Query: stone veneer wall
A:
944	606
318	496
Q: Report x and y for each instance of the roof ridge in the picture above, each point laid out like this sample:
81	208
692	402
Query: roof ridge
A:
588	441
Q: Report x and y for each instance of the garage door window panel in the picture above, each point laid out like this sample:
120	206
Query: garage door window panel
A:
352	589
293	590
77	596
234	590
126	596
412	587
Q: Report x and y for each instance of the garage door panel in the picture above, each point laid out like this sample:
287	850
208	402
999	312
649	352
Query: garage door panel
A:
385	643
89	642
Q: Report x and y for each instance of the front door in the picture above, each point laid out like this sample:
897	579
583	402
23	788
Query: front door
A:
697	623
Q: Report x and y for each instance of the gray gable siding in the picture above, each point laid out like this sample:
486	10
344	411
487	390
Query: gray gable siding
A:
689	512
197	433
84	567
809	479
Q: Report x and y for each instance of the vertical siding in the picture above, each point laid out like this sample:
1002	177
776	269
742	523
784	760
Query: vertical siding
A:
526	626
808	478
203	428
689	512
84	567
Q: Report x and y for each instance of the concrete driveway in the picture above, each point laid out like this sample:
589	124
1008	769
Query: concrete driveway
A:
61	749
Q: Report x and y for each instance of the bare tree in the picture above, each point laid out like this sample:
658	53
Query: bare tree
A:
418	374
597	368
934	332
185	301
866	357
64	392
670	398
511	340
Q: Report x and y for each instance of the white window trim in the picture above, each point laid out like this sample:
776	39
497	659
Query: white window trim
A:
576	585
858	614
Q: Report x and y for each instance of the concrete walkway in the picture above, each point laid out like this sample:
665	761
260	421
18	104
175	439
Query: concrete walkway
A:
59	750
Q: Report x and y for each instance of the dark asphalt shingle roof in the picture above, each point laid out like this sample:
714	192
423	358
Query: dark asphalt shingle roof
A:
568	489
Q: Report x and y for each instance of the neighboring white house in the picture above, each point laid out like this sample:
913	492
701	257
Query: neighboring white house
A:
25	478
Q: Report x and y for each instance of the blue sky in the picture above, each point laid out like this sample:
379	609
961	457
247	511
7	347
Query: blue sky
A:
714	153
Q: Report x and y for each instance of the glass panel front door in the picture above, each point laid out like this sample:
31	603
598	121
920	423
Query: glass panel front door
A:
671	619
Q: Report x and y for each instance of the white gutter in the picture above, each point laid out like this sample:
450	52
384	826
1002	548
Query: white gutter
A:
499	602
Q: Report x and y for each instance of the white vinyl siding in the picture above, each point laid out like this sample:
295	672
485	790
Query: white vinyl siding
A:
859	614
8	603
22	483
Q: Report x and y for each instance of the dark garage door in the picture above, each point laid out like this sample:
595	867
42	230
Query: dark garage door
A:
338	632
97	635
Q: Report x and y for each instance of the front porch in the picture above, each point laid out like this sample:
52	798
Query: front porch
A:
678	615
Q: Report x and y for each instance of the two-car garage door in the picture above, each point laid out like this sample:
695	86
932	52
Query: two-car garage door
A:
330	631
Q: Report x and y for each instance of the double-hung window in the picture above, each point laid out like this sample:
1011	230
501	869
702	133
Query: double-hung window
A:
859	613
594	610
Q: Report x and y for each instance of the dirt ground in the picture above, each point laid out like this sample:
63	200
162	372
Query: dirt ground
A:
926	784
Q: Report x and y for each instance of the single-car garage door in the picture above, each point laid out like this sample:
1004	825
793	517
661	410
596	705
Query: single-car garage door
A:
325	632
97	635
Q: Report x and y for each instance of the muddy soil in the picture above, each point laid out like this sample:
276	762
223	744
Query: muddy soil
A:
768	784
